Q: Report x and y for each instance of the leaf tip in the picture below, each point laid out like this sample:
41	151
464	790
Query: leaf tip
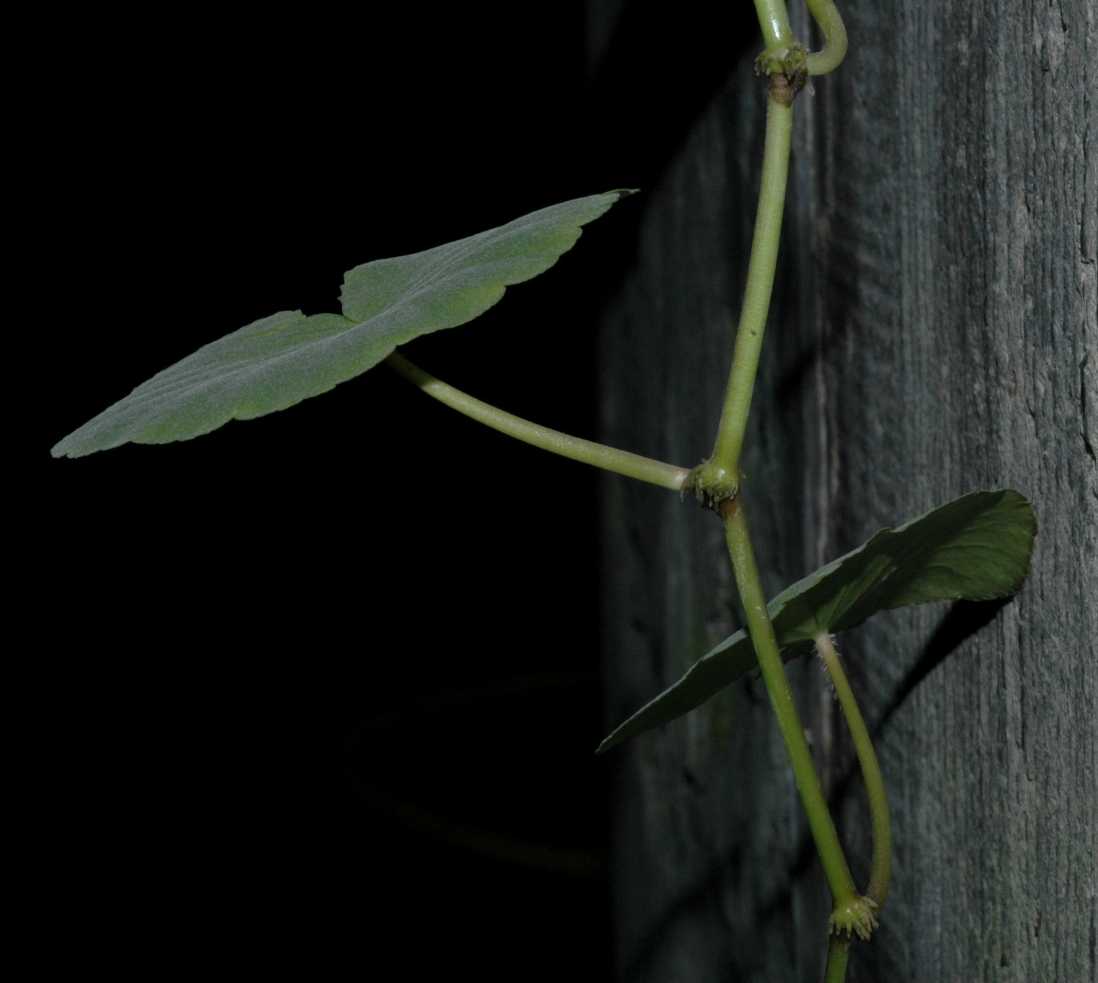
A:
619	735
64	448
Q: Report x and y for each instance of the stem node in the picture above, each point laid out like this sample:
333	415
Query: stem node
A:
712	484
786	71
858	916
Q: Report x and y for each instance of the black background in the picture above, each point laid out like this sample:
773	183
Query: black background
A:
320	690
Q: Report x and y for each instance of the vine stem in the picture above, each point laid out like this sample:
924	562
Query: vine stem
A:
751	593
838	952
881	867
777	33
760	285
575	448
830	22
774	23
718	480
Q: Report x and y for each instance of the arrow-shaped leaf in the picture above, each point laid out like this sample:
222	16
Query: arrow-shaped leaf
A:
287	357
975	548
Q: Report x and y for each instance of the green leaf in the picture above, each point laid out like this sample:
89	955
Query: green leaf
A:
287	357
975	548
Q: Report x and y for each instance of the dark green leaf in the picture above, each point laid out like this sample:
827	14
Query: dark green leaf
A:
975	548
287	357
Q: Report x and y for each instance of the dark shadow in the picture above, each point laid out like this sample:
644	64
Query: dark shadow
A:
839	299
961	622
643	98
838	274
792	385
694	902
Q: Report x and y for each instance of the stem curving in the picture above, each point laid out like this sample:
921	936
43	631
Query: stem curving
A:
830	22
881	868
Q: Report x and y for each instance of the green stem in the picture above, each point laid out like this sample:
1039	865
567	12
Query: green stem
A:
881	869
717	481
838	952
778	35
760	283
781	699
774	22
830	22
575	448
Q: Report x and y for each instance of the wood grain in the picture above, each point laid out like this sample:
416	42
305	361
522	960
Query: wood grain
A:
935	332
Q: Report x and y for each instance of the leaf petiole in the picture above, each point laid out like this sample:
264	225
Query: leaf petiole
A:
575	448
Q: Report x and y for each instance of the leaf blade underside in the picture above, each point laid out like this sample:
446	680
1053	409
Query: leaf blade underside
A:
976	547
279	360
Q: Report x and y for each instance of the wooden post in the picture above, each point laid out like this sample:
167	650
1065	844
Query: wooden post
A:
934	333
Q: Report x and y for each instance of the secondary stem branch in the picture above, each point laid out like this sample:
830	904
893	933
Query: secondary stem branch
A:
576	448
830	22
881	870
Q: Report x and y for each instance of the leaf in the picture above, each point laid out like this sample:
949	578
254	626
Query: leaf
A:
974	548
287	357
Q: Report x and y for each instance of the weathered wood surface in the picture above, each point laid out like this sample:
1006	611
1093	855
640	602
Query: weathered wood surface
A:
934	333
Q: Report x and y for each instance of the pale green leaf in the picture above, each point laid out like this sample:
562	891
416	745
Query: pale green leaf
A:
975	548
287	357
